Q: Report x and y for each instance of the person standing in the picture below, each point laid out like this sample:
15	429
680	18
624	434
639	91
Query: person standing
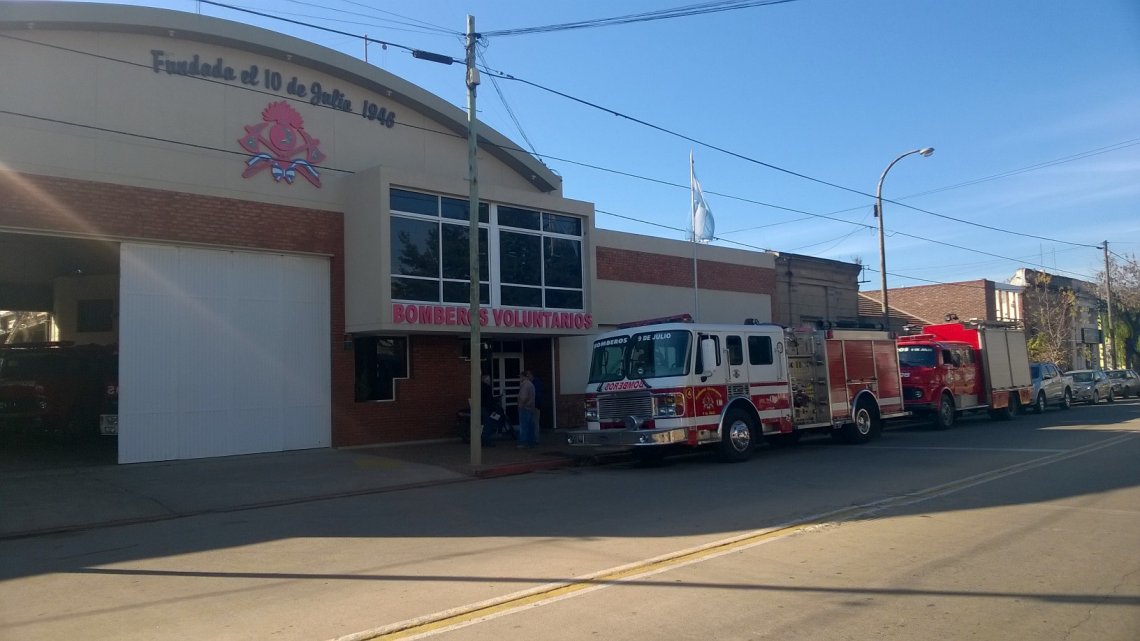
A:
527	436
537	382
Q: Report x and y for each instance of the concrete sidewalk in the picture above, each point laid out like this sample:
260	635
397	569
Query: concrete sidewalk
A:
58	499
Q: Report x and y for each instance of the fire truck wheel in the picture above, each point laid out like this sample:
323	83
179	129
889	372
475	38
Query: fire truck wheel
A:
864	426
736	441
944	417
1009	411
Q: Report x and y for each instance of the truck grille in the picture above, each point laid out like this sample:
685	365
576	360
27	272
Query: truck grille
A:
617	407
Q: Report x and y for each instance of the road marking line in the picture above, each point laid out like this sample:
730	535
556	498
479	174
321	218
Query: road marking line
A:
471	614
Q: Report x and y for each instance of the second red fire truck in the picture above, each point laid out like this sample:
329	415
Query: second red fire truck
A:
954	368
672	383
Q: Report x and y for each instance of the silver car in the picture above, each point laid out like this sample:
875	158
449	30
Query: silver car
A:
1091	385
1125	382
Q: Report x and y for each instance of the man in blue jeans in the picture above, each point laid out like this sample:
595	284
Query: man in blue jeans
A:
528	437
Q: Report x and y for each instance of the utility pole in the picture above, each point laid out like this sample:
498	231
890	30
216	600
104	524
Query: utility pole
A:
473	249
1108	298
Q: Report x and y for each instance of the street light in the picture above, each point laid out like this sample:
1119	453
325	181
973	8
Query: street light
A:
925	151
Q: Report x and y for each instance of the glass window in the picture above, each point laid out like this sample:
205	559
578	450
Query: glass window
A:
520	258
415	203
460	292
735	349
562	259
716	349
521	296
430	262
456	209
522	218
414	247
558	224
564	298
456	253
760	350
380	361
917	356
419	289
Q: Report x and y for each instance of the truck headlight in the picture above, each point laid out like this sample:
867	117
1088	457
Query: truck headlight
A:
668	405
591	409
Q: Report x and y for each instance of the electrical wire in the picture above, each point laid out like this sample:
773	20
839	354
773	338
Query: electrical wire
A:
647	16
139	65
493	73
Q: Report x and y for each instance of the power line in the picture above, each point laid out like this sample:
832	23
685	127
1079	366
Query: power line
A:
313	26
139	65
771	166
724	6
647	16
422	26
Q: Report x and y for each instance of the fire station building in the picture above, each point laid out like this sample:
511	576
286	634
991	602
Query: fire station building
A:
275	236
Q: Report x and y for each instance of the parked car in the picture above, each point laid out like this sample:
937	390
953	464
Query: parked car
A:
1050	387
1125	382
1091	385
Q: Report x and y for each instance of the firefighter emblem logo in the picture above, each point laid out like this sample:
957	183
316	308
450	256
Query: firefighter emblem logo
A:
281	145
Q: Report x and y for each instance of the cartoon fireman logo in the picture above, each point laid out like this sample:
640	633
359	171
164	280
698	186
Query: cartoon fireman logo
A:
277	144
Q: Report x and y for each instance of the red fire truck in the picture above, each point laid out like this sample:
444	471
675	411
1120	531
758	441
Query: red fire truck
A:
954	368
58	387
674	383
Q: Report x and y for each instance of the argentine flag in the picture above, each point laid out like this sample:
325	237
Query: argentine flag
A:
702	222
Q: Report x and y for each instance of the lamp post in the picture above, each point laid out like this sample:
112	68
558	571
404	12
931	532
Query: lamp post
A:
925	151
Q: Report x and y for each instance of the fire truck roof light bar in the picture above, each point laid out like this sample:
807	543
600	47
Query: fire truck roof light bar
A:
676	318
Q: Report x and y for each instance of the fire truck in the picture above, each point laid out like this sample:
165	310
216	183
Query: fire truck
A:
671	383
954	368
59	387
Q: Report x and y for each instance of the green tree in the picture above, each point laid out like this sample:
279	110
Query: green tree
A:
1125	278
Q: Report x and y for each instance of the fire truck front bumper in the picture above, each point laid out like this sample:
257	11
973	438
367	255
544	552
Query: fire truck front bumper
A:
627	437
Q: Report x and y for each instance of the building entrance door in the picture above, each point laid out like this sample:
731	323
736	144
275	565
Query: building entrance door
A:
506	376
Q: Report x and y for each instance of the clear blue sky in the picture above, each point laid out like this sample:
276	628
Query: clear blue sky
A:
1033	107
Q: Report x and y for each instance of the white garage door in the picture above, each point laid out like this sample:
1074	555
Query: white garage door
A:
221	352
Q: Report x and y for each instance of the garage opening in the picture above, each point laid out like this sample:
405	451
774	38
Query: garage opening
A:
58	351
130	352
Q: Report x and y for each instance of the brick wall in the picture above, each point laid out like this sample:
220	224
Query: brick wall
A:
119	212
674	271
437	386
61	205
969	299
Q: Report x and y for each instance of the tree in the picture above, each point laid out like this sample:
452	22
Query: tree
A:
1125	308
1050	316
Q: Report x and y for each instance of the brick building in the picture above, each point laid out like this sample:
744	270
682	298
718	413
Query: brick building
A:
981	299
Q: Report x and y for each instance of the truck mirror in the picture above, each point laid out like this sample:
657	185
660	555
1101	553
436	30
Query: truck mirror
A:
708	356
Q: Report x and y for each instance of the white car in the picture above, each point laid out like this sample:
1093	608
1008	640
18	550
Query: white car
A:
1050	387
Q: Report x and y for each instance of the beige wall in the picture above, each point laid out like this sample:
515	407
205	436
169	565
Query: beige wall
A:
68	291
810	289
111	85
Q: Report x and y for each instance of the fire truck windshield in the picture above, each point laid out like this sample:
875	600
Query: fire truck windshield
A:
917	356
640	356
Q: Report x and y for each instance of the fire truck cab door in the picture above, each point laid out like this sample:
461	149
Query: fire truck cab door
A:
763	356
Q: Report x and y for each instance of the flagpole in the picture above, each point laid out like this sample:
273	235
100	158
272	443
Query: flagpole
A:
693	240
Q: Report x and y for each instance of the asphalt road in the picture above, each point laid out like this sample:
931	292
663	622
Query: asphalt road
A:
1026	529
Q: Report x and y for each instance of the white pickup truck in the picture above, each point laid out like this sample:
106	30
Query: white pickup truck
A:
1050	387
